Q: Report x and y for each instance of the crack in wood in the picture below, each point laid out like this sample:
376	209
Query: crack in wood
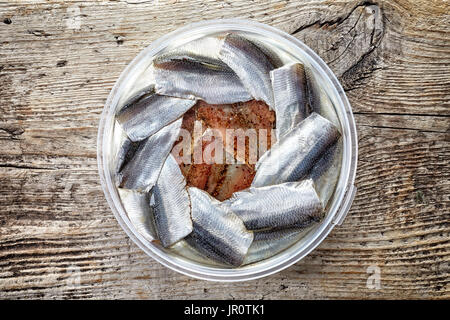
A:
16	166
336	21
402	114
400	128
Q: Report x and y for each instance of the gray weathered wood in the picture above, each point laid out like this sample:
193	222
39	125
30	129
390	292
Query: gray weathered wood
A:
58	62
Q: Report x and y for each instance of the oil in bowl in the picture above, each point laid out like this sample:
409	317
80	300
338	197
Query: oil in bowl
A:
245	212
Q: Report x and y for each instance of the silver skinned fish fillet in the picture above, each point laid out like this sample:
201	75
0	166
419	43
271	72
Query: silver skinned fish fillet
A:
277	206
171	204
218	233
263	249
191	79
139	212
278	233
123	150
124	155
290	101
204	49
146	114
292	157
250	64
142	171
325	172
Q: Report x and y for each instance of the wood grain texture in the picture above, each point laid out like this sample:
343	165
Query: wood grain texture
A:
58	62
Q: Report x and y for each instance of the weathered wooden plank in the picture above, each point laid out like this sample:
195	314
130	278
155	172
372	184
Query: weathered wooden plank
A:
401	227
58	62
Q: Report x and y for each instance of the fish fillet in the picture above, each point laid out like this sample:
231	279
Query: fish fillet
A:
218	233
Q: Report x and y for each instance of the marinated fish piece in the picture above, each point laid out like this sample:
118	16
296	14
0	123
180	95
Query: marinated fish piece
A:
184	249
171	204
263	249
125	154
135	97
142	171
250	64
124	150
136	205
218	233
149	113
221	179
325	172
279	233
205	49
318	99
235	177
251	121
292	157
289	91
195	80
277	206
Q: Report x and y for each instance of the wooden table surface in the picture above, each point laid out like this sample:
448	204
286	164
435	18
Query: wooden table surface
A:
58	62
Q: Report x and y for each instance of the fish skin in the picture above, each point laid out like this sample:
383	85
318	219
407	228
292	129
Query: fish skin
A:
126	152
147	115
191	79
264	249
171	204
136	96
290	97
292	157
279	233
142	171
205	49
325	172
136	205
250	64
277	206
218	233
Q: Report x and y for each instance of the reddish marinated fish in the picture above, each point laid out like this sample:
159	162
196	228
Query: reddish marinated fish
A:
222	178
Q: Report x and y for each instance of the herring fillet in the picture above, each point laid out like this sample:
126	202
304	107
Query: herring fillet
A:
325	172
292	157
142	171
218	233
125	153
149	113
171	204
278	206
136	96
279	233
205	49
250	64
191	79
289	91
263	249
138	211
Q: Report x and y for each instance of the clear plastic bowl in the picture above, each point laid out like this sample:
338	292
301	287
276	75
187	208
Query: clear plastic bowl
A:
344	191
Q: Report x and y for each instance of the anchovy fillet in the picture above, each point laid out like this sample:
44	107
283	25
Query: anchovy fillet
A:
191	79
292	157
289	90
142	171
250	64
139	212
218	233
143	116
171	204
277	206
